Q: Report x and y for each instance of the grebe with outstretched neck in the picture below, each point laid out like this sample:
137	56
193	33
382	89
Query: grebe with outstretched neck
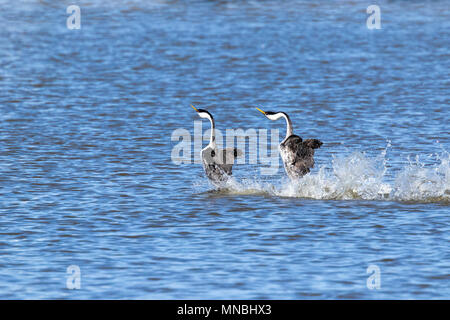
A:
297	154
217	163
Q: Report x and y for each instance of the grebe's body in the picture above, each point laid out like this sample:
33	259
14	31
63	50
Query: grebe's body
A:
298	155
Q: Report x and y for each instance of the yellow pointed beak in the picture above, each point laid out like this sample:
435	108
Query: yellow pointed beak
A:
194	108
263	112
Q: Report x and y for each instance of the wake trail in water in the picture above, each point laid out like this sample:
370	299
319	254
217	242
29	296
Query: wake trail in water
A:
358	176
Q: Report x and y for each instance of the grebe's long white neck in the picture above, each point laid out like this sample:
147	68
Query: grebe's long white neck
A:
212	139
206	115
279	115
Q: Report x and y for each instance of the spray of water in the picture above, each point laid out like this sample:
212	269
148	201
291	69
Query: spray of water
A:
358	176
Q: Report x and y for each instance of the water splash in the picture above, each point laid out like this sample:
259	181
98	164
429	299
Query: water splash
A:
358	176
417	182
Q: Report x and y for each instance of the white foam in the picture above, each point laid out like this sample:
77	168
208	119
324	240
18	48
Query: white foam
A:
358	176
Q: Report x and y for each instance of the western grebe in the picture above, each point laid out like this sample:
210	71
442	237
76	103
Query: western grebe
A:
297	155
216	162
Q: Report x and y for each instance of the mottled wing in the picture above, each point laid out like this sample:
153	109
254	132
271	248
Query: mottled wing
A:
312	143
305	155
301	154
218	163
291	147
228	155
226	158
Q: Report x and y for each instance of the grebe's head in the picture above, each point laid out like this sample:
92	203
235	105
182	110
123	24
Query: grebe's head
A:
272	115
203	113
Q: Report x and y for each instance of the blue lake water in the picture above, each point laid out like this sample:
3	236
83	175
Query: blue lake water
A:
87	178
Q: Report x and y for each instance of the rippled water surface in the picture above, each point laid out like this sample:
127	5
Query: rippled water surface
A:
87	179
